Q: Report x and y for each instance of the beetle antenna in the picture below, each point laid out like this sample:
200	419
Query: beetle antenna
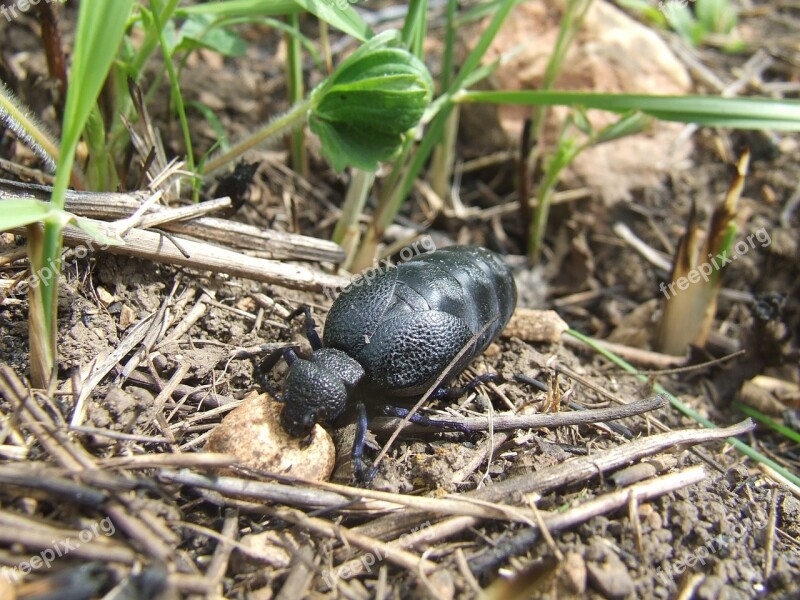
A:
311	326
261	370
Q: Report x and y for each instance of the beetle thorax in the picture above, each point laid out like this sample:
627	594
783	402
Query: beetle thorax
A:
318	389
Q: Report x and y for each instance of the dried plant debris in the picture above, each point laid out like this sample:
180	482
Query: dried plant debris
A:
154	466
696	271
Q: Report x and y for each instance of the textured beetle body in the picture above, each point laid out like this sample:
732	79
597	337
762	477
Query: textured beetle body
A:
397	331
407	324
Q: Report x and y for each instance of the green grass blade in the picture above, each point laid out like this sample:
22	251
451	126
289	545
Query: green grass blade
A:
415	27
241	8
213	121
688	411
343	18
475	57
101	25
175	88
294	79
434	133
738	113
764	419
644	9
23	211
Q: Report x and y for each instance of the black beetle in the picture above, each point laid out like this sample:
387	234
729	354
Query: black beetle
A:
396	332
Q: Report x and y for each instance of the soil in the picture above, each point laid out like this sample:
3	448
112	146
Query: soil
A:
736	534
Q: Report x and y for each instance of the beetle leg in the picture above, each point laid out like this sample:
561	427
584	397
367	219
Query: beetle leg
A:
362	474
457	392
289	355
418	419
310	324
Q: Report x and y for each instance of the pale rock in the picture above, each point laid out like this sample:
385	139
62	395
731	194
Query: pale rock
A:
613	53
253	434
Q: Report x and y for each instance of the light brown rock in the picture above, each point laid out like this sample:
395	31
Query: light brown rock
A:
253	434
612	53
533	325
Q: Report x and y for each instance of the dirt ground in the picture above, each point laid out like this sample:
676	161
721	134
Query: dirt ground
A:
734	534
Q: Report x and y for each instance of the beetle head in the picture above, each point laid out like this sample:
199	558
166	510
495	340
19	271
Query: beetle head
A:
312	393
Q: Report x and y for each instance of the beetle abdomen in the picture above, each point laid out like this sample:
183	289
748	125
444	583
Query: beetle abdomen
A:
407	323
407	353
468	282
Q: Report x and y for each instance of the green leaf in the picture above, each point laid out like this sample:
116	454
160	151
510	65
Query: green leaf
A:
348	144
337	13
23	211
101	24
200	31
581	121
645	9
240	8
363	111
680	18
213	121
19	212
718	16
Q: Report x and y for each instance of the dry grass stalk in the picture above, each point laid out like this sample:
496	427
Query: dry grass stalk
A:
689	312
106	206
